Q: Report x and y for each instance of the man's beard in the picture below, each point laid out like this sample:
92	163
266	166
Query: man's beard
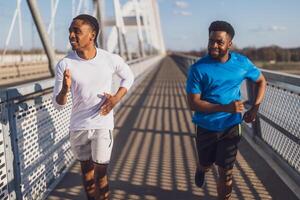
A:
220	54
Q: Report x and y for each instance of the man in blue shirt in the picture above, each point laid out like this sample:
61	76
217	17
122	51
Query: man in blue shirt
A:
213	90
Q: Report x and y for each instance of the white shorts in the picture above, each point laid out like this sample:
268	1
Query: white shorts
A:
96	144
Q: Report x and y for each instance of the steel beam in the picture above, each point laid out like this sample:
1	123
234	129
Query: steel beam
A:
128	21
50	52
99	14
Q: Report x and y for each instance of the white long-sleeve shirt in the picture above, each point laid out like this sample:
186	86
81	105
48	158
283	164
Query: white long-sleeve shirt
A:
90	80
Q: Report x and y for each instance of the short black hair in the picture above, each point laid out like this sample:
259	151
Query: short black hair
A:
221	26
92	21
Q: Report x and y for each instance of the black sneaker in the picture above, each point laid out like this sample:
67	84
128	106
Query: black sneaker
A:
199	178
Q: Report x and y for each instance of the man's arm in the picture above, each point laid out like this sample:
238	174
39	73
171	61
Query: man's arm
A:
111	101
194	88
261	83
62	96
261	88
123	70
197	104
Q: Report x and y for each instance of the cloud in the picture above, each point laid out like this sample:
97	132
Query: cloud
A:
182	13
277	28
181	4
181	8
273	28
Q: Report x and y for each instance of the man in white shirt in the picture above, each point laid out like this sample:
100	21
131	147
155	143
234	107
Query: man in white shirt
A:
87	73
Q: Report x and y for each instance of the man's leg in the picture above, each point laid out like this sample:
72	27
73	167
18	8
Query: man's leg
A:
224	185
204	168
101	182
102	143
200	174
95	180
80	146
206	150
87	169
227	149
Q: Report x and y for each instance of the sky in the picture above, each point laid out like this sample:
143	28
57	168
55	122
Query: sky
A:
184	23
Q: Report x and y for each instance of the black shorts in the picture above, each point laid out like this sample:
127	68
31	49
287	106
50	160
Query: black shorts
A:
218	147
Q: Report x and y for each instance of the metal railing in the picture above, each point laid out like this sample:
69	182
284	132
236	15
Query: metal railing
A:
34	147
278	126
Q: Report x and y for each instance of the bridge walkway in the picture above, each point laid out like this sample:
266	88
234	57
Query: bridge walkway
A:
154	152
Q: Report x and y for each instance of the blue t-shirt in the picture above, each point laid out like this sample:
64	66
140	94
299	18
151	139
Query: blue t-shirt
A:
219	83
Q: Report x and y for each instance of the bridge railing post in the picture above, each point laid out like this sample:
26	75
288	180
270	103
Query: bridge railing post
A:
10	189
